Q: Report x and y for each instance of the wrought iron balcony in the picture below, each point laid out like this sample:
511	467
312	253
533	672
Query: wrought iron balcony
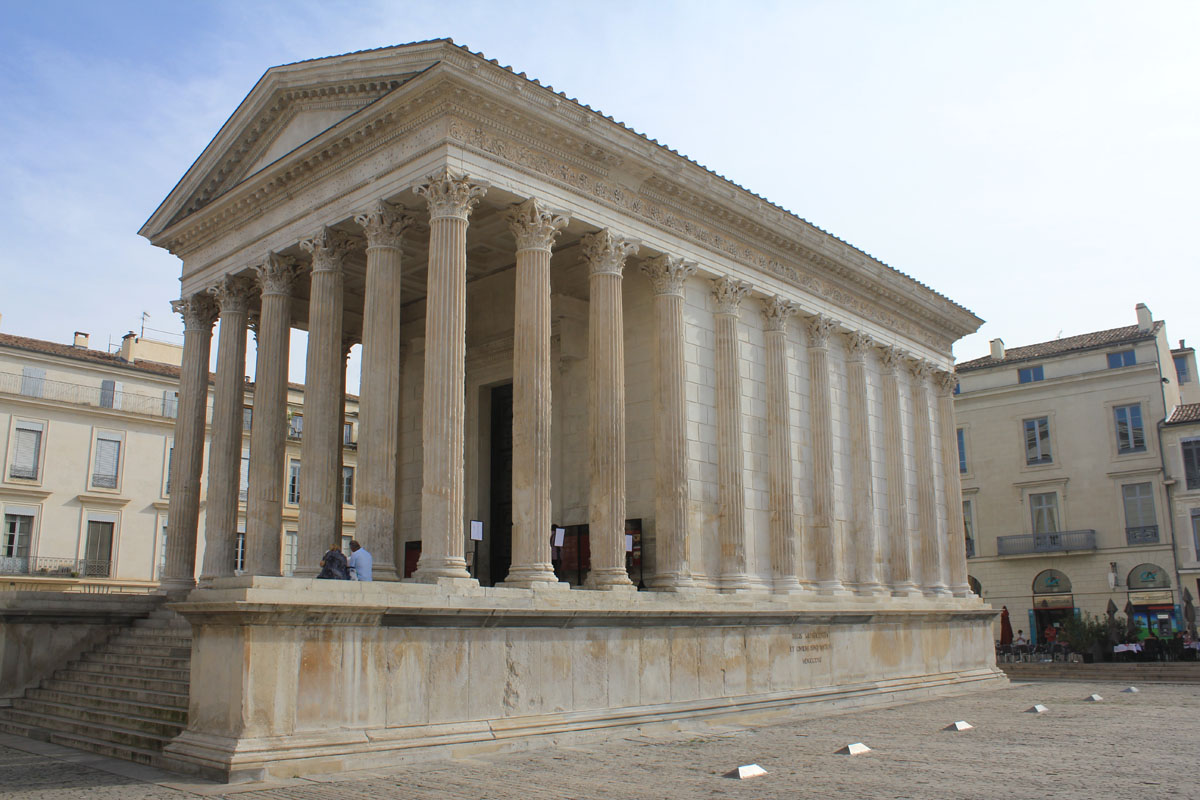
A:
1143	534
55	567
1045	542
95	396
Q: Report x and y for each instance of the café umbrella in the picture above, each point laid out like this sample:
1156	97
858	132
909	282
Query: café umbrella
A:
1131	626
1111	613
1189	611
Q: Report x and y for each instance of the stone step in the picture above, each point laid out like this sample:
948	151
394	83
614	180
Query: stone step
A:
138	755
122	669
1160	672
108	720
105	733
132	694
117	647
171	714
174	624
102	656
152	636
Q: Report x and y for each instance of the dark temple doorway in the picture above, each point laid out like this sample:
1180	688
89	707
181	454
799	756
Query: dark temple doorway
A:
500	510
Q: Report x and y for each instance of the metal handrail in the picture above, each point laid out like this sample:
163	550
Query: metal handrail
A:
1142	534
93	396
1046	542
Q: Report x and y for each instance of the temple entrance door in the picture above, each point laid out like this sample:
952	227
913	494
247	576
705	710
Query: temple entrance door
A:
500	508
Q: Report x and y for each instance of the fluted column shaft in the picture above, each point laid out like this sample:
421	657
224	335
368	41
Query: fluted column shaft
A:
956	546
672	547
779	448
268	428
320	478
225	452
450	201
183	518
931	559
535	229
899	557
606	254
865	538
379	387
731	492
339	526
826	550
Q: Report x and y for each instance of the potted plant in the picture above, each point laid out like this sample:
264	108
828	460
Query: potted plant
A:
1084	634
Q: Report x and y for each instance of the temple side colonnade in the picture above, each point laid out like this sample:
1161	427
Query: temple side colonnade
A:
871	553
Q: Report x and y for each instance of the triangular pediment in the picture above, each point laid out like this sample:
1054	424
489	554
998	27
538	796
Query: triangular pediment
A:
289	106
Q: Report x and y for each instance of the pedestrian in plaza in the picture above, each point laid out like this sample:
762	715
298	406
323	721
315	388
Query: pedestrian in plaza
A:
333	565
360	561
1006	637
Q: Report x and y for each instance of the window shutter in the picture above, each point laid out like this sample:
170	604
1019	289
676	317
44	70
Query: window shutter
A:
33	381
170	404
27	451
170	463
108	458
107	389
118	393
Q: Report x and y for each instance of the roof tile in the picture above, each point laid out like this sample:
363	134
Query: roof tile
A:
1055	347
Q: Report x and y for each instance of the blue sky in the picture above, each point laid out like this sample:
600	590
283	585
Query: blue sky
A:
1036	162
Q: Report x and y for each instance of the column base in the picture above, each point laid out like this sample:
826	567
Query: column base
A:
735	582
937	590
672	583
605	580
175	586
962	591
905	589
446	568
786	586
536	585
870	589
832	589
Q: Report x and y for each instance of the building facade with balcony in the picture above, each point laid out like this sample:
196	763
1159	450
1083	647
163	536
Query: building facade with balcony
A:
87	439
1065	500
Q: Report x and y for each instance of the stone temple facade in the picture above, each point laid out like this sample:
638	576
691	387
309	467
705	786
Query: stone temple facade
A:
563	324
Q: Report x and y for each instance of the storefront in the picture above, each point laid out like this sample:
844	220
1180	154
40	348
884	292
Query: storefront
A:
1053	603
1152	601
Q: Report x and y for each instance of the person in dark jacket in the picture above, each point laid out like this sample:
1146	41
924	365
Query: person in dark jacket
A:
333	565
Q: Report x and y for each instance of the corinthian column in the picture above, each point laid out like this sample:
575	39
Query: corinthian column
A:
825	547
183	518
931	558
956	546
899	558
672	547
450	199
776	313
320	478
864	545
268	425
535	229
379	386
731	493
606	254
225	453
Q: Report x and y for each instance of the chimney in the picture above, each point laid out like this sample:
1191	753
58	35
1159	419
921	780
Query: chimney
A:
81	340
1145	318
1182	344
997	349
127	342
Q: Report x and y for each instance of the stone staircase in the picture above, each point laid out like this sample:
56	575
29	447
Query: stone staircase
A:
1115	672
125	699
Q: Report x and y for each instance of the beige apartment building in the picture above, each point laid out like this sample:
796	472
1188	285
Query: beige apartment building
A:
1066	500
88	441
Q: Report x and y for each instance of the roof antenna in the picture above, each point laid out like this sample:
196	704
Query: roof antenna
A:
1059	334
145	316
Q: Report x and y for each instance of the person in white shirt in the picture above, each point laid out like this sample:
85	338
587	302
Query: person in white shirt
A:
360	562
1020	640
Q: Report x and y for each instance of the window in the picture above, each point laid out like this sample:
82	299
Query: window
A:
294	483
1196	531
347	486
27	451
18	530
244	477
1044	511
1141	525
1131	437
962	451
957	387
1037	441
170	463
107	464
295	426
291	545
1191	462
1030	374
247	417
969	527
162	549
170	404
1181	369
110	394
348	433
239	548
33	381
98	554
1125	358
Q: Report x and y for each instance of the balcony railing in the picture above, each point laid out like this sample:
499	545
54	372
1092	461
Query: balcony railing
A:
55	567
1143	534
1046	542
94	396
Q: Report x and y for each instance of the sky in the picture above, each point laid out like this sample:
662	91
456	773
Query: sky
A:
1036	162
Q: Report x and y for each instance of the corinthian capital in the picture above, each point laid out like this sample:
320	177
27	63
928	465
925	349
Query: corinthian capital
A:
919	368
857	345
199	312
945	381
728	292
819	328
450	195
668	273
890	358
535	226
776	312
277	274
233	293
606	252
328	248
384	224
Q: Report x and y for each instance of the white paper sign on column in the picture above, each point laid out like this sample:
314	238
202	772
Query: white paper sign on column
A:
477	530
559	535
629	543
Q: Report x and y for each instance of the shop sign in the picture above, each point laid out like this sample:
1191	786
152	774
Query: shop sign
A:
1150	598
1054	601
